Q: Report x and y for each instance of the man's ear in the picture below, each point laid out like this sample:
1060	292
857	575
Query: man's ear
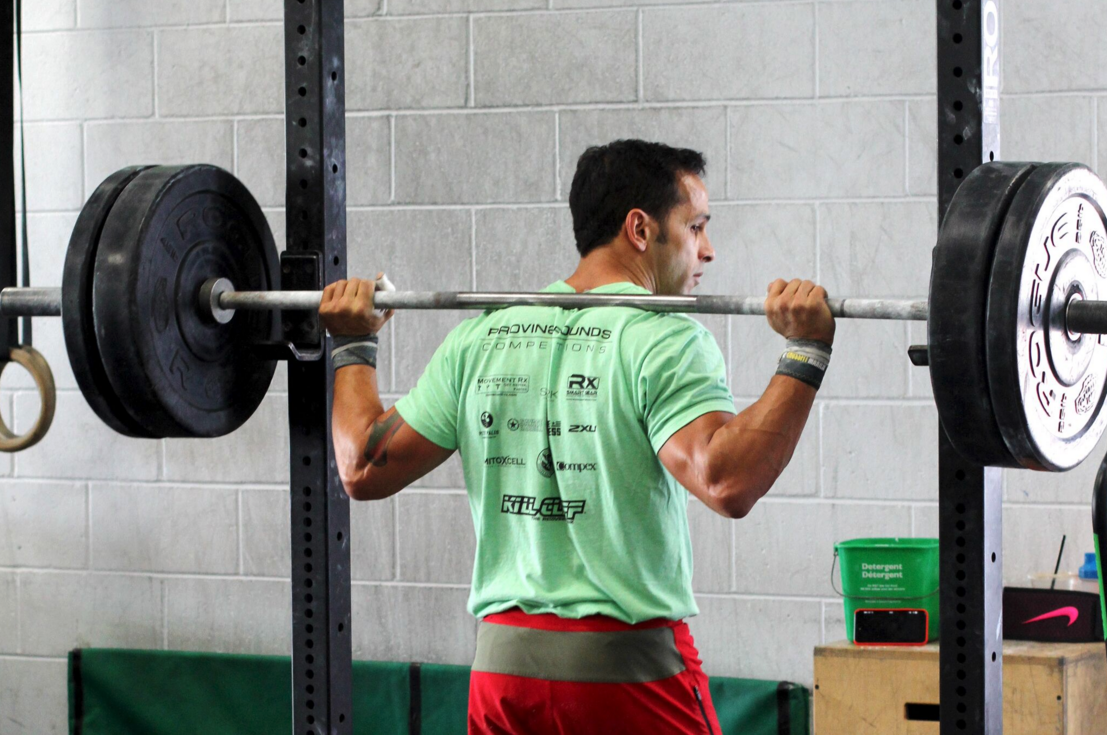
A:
636	226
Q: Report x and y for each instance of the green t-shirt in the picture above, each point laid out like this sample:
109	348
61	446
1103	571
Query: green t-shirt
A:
559	415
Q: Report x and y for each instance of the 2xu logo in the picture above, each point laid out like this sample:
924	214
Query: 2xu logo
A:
582	428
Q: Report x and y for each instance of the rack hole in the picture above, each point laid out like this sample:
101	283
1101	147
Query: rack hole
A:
958	71
341	627
334	76
957	105
961	526
307	538
309	628
301	30
310	659
308	598
307	567
311	703
301	60
337	260
958	139
307	506
310	689
340	536
334	168
306	460
307	553
961	691
960	574
311	719
307	490
993	557
961	724
307	522
309	643
960	474
341	717
993	656
958	173
961	707
310	674
309	613
303	121
960	591
304	185
957	38
960	641
960	506
308	583
991	155
302	91
303	153
957	4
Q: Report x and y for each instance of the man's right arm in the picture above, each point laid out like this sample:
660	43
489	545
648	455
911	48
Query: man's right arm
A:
729	462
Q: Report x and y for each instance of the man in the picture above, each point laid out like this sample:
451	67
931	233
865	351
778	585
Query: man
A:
579	432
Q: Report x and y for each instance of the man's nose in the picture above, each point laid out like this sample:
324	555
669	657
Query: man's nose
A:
707	253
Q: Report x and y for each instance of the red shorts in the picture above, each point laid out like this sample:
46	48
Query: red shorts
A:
545	674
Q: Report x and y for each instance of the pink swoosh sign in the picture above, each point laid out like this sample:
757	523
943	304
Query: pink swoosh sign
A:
1069	611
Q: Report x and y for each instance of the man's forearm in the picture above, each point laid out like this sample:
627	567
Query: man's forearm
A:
357	406
747	454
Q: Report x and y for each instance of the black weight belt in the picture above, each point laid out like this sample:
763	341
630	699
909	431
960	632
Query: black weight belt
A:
640	655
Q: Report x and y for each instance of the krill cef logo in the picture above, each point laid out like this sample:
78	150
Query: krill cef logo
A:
582	387
545	463
546	509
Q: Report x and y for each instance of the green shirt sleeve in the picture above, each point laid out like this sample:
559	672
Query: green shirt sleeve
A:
431	408
681	378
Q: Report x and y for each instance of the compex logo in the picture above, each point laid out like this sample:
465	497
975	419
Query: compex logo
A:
577	467
549	509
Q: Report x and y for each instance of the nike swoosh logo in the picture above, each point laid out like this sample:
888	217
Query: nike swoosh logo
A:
1069	611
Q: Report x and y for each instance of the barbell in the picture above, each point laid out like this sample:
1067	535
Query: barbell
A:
163	258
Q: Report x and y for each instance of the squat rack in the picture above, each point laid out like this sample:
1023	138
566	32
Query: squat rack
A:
970	496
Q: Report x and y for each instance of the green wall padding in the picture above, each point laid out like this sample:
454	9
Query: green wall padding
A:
137	691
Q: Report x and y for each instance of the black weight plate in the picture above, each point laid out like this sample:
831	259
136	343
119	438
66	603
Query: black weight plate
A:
172	229
76	313
957	325
1048	385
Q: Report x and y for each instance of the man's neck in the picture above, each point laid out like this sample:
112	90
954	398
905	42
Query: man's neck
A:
602	267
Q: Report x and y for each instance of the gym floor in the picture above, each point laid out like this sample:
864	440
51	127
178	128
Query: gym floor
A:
464	122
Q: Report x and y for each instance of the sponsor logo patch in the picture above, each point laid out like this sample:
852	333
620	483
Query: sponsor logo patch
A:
589	428
486	421
577	467
545	463
505	460
546	509
582	387
503	385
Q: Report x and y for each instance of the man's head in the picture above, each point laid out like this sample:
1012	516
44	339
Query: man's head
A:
649	198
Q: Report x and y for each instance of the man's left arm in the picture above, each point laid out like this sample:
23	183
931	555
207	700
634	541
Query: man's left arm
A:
377	452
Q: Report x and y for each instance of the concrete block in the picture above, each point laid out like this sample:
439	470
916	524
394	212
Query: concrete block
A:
36	696
101	74
922	147
756	244
480	158
368	160
265	533
61	611
130	13
700	128
259	159
373	540
561	4
834	621
729	52
801	477
712	549
229	615
43	525
237	70
1051	47
408	623
405	7
9	613
799	537
924	522
881	49
435	538
257	452
449	475
1032	536
555	58
276	224
1073	487
80	446
417	339
53	167
239	11
877	249
111	146
880	451
407	63
808	150
49	15
1031	129
47	241
758	638
175	529
524	249
870	360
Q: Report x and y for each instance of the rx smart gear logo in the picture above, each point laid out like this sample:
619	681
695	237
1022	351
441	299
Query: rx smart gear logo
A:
486	421
582	387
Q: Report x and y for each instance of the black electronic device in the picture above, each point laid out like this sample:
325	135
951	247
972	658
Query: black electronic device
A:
890	627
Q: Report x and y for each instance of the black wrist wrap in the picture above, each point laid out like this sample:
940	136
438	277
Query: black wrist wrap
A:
354	350
805	360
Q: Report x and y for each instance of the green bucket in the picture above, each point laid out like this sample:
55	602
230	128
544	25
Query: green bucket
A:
889	572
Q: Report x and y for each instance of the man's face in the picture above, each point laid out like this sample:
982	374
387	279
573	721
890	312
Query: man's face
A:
683	246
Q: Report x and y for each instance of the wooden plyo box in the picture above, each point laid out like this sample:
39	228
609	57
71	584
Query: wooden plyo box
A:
1047	688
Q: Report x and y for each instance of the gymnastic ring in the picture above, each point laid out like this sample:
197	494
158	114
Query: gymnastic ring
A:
36	365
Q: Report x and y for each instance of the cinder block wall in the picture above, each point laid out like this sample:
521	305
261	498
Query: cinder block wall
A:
465	121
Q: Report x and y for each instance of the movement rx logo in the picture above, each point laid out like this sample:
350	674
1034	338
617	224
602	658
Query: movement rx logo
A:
583	388
549	509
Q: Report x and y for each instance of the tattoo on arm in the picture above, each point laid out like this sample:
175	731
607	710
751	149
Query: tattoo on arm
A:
380	437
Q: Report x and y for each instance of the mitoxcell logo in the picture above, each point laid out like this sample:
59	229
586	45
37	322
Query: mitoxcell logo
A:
545	463
582	387
505	460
